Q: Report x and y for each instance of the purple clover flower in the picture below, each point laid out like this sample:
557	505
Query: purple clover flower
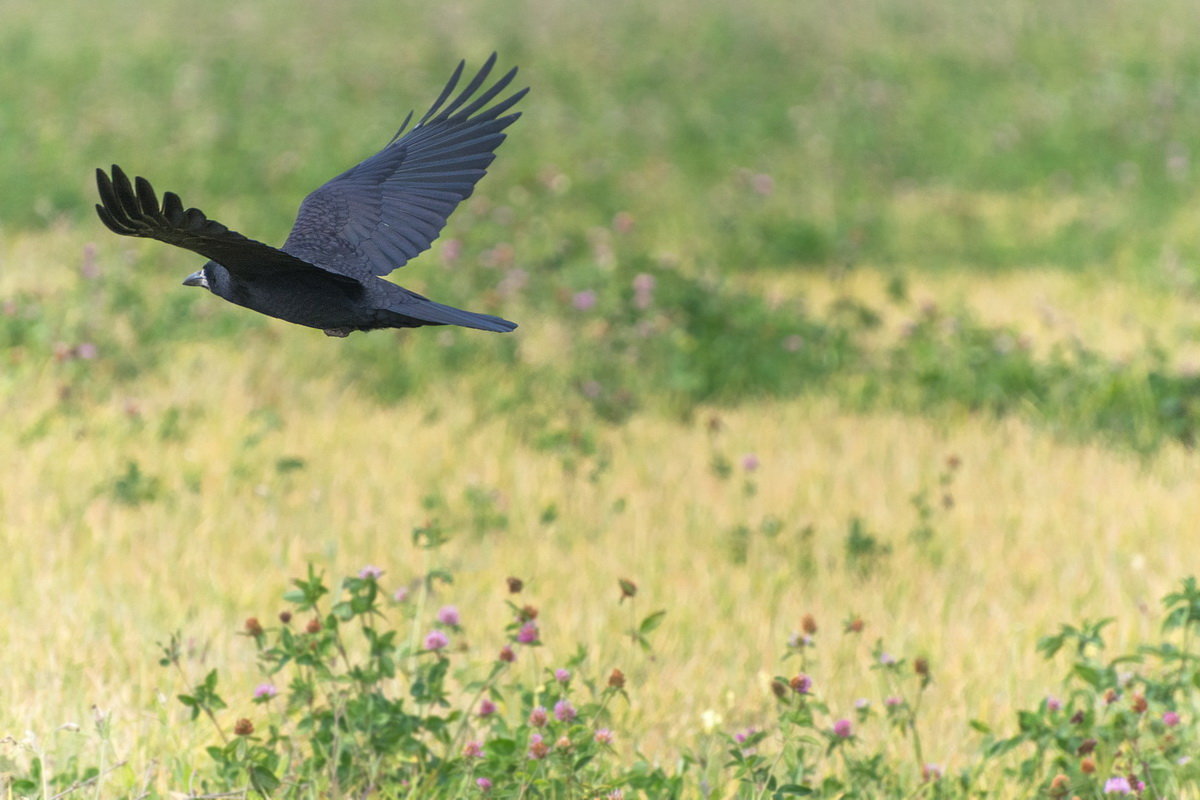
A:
564	711
538	749
436	640
528	633
843	729
1117	784
584	301
370	572
265	691
448	615
643	291
562	675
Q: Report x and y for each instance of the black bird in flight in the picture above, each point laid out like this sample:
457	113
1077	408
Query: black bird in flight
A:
364	223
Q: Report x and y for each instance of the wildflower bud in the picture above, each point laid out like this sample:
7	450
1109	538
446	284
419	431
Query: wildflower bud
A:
528	613
563	743
507	655
285	617
931	772
538	717
779	689
1087	766
628	588
244	727
515	585
1059	786
953	462
855	625
921	667
1110	696
623	222
253	627
801	684
808	624
616	679
314	625
604	736
1078	717
1086	747
1139	704
538	749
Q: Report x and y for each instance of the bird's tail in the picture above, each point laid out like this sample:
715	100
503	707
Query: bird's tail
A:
421	311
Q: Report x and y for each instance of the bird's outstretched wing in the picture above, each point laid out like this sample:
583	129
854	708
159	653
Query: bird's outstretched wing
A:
376	216
132	209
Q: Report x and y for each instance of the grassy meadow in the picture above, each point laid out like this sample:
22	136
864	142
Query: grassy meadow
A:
864	310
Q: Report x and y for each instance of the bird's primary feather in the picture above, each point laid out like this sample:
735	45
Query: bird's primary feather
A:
378	215
136	212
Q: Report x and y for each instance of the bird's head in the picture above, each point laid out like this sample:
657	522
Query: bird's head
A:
200	277
197	278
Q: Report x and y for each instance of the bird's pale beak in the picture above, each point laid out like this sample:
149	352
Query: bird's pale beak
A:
196	279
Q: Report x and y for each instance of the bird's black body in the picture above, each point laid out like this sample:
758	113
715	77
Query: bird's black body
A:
359	226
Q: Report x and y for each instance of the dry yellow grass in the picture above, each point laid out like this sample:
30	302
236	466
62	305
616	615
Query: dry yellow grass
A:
1111	317
1041	532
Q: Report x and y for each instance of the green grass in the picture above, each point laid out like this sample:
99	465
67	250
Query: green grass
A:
880	234
859	112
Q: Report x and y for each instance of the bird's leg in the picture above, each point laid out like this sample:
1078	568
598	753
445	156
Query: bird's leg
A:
341	333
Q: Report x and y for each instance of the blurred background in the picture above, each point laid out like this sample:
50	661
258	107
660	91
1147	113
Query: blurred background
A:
868	309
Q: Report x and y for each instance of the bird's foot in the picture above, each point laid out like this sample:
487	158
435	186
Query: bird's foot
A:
341	333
